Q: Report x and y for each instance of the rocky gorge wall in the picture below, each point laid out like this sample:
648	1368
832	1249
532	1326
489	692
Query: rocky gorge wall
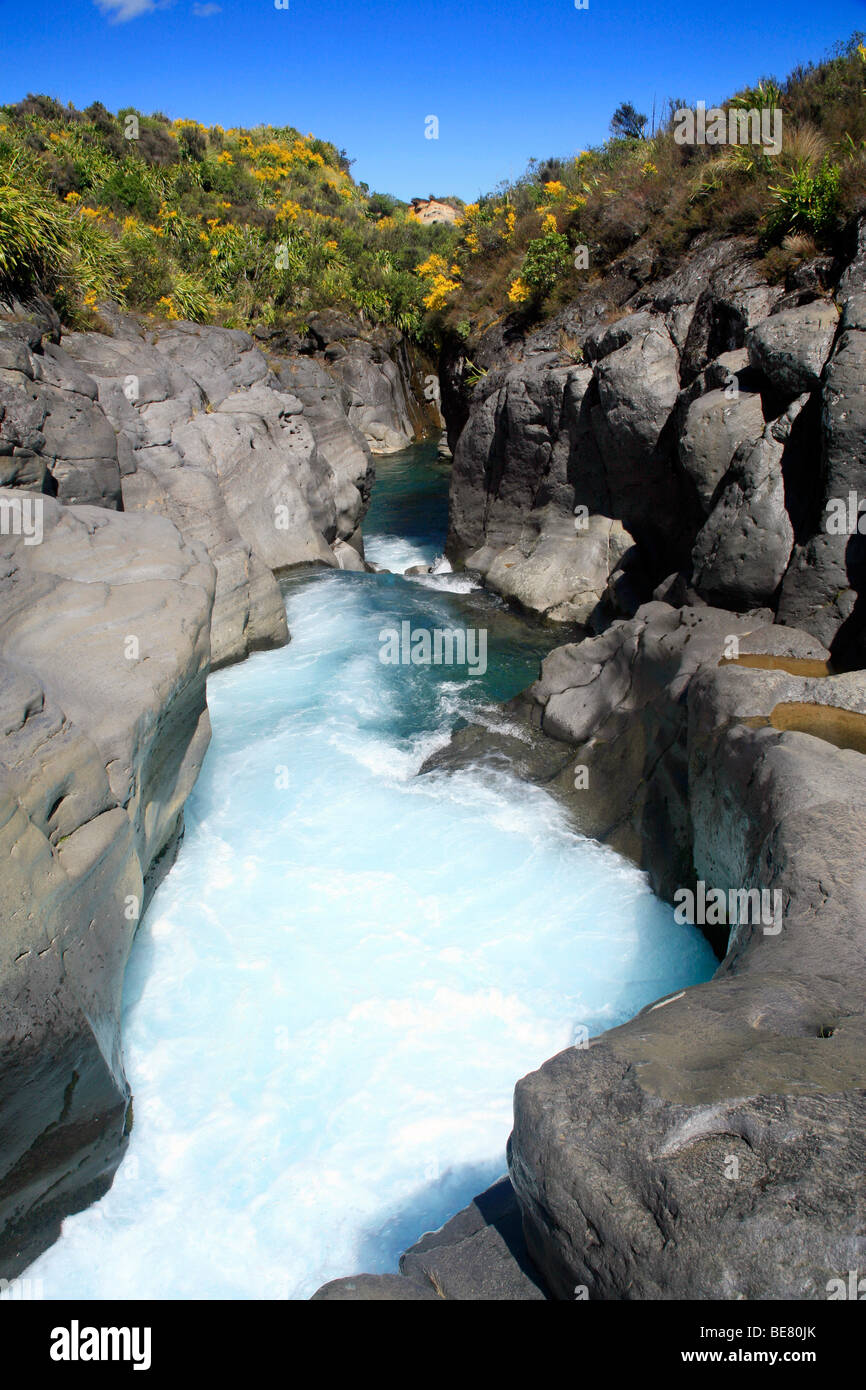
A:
692	430
708	1148
154	482
660	464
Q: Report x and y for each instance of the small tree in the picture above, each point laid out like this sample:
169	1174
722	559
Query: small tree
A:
627	123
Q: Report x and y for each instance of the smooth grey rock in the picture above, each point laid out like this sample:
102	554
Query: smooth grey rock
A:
348	558
375	1288
715	426
102	741
736	762
638	385
743	550
853	277
215	441
479	1255
374	367
514	454
561	573
57	438
622	1153
827	575
791	347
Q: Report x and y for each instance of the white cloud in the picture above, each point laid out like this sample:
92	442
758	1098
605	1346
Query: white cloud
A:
119	11
205	11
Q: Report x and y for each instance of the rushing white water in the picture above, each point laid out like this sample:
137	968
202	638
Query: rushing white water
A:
342	977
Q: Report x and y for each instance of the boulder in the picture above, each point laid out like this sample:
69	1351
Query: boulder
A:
661	1161
714	428
742	552
479	1255
347	557
220	446
791	346
53	436
638	385
827	574
376	370
514	454
562	573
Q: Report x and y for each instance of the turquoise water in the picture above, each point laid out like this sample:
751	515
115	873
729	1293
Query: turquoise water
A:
349	966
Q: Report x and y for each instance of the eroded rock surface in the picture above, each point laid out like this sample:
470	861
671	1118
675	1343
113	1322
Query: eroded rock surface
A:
263	457
709	1147
153	485
717	418
104	633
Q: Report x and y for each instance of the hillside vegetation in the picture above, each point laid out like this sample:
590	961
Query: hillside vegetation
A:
229	226
519	245
267	225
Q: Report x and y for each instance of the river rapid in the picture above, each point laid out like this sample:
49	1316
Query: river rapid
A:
337	985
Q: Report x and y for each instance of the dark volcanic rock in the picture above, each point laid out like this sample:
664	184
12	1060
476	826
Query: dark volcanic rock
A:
382	378
479	1255
693	422
375	1288
709	1148
791	346
823	587
743	549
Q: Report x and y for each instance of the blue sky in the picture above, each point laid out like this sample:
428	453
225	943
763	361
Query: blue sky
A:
507	81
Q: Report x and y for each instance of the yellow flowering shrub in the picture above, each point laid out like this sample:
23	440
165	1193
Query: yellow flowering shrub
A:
518	292
439	291
433	266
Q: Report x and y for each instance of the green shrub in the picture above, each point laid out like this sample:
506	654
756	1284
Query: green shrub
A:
147	269
187	223
34	231
545	261
129	189
190	298
808	202
95	266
